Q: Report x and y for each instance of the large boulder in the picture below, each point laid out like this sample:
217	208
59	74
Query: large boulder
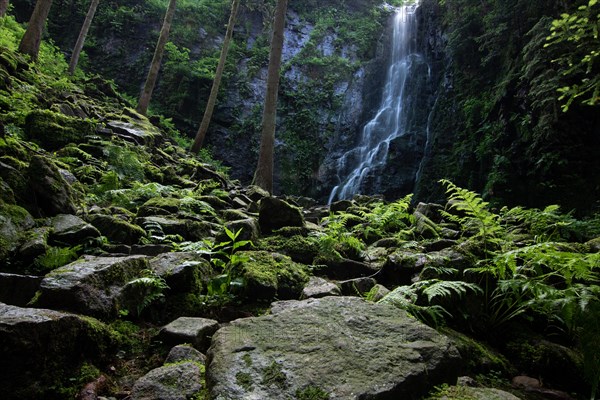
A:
39	347
117	230
341	346
275	213
92	286
195	331
269	275
177	381
71	230
18	289
13	221
53	130
182	271
189	229
50	192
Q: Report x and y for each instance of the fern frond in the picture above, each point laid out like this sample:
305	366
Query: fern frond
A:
445	289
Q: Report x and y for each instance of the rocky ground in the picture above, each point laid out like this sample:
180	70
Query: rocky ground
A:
133	270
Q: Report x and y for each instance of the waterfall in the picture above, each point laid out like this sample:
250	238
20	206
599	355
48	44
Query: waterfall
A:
392	117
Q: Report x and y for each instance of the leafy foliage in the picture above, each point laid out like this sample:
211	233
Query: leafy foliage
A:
579	31
145	290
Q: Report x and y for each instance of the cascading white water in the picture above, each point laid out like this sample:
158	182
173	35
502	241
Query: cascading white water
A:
391	118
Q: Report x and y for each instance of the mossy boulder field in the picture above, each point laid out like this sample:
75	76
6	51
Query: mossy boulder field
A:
134	268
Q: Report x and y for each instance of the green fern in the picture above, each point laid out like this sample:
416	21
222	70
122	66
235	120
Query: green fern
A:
474	217
146	290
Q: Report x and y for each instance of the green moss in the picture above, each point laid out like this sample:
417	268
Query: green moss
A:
170	204
268	275
247	360
311	393
446	392
299	248
480	357
244	379
273	375
53	130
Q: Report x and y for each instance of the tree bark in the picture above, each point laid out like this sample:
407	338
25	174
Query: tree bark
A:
146	94
214	91
263	177
82	34
3	7
30	44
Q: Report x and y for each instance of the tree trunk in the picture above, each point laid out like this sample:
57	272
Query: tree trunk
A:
82	34
263	177
3	7
30	44
214	91
146	94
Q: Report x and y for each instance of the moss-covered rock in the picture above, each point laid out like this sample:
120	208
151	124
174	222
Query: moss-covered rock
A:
51	194
41	349
275	213
269	275
14	220
117	230
52	130
480	358
301	249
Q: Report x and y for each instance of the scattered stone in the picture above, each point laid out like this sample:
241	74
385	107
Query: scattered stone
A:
269	275
92	285
341	205
184	352
594	245
133	133
49	190
117	230
356	287
342	346
319	287
151	249
35	244
346	269
13	221
18	290
196	331
431	211
190	230
178	381
249	230
40	346
275	213
378	292
183	271
256	193
523	381
71	230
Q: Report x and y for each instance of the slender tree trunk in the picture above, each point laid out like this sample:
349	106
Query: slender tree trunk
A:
30	44
212	99
263	177
146	94
82	34
3	7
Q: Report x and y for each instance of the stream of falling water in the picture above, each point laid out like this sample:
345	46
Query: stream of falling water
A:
391	118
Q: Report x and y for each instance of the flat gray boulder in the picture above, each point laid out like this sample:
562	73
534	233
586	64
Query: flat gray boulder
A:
196	331
344	347
319	287
69	229
177	381
92	285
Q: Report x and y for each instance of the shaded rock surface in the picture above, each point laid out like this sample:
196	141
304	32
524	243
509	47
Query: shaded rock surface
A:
39	345
196	331
343	346
91	286
178	381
